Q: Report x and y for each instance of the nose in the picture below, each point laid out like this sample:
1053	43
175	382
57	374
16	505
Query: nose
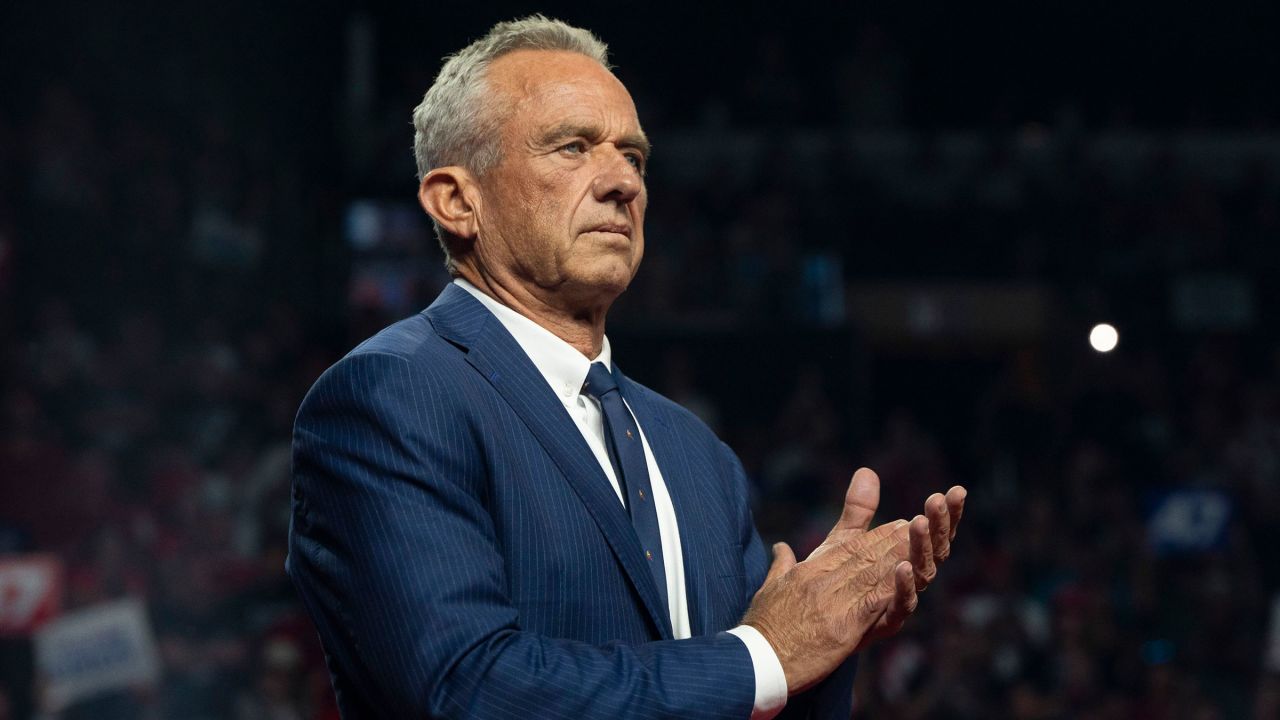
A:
617	180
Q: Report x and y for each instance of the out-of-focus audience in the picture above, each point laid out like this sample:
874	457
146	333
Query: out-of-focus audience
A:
155	341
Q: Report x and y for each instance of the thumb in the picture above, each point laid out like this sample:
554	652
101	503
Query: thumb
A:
860	501
783	560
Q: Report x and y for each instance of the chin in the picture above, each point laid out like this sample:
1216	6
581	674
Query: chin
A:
605	284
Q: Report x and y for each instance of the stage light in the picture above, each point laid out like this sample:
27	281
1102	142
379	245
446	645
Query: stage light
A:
1104	337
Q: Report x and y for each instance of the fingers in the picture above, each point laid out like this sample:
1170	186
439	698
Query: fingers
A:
901	605
883	580
860	501
955	506
923	566
783	560
904	599
935	509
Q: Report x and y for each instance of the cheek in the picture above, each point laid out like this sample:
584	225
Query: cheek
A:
557	201
639	205
638	209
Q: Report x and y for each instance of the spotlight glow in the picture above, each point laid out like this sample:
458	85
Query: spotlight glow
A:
1104	338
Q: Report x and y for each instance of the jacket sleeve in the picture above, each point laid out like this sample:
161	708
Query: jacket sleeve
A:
833	697
396	559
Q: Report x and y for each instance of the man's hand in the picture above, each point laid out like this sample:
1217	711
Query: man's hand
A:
931	536
858	586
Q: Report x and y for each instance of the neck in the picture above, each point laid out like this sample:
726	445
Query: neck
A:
581	327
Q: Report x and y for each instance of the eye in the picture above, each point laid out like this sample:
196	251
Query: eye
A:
636	160
577	147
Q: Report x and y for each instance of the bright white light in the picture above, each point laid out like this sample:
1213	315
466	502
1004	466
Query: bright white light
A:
1104	338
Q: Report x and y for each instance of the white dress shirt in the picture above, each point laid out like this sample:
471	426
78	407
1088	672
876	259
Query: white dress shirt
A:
565	370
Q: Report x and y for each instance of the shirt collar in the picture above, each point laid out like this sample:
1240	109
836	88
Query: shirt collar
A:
562	366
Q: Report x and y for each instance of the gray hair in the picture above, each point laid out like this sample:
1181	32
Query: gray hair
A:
457	122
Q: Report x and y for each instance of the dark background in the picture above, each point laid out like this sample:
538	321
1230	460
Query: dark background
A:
876	237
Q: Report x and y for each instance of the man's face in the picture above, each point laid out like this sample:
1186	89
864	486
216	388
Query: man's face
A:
563	211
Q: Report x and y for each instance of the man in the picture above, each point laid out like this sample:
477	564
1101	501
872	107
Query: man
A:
490	520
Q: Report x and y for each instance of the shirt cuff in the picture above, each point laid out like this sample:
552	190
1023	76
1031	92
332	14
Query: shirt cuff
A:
771	681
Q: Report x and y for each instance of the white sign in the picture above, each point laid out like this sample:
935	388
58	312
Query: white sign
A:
104	647
30	592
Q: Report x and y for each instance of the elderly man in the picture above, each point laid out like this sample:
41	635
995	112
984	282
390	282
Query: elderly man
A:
491	520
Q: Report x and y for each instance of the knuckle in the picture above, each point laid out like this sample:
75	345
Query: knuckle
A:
868	606
863	578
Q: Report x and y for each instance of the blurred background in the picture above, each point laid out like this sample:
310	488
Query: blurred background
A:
880	237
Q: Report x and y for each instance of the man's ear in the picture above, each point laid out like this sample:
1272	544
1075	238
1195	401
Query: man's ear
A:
446	194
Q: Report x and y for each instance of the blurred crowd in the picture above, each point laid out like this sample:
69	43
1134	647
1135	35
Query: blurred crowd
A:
170	288
151	370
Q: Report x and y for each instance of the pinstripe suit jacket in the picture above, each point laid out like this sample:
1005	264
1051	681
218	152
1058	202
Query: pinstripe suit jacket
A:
463	555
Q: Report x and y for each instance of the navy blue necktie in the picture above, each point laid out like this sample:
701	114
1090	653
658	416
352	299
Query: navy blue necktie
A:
627	453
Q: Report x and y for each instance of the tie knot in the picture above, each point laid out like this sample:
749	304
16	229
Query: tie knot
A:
599	381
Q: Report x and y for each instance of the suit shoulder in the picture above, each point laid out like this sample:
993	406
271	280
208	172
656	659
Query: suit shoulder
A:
412	339
405	354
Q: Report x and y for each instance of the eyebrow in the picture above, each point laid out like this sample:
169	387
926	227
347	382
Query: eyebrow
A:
636	141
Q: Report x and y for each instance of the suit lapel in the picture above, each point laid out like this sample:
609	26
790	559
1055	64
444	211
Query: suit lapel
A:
685	493
492	351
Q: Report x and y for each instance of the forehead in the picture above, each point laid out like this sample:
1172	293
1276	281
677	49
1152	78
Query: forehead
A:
549	85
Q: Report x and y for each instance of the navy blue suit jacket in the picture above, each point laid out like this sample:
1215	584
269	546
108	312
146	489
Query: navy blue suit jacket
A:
463	555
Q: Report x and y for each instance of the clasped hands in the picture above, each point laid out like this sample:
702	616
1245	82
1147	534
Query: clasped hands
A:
858	586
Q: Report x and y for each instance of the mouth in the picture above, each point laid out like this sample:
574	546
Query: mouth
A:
615	228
